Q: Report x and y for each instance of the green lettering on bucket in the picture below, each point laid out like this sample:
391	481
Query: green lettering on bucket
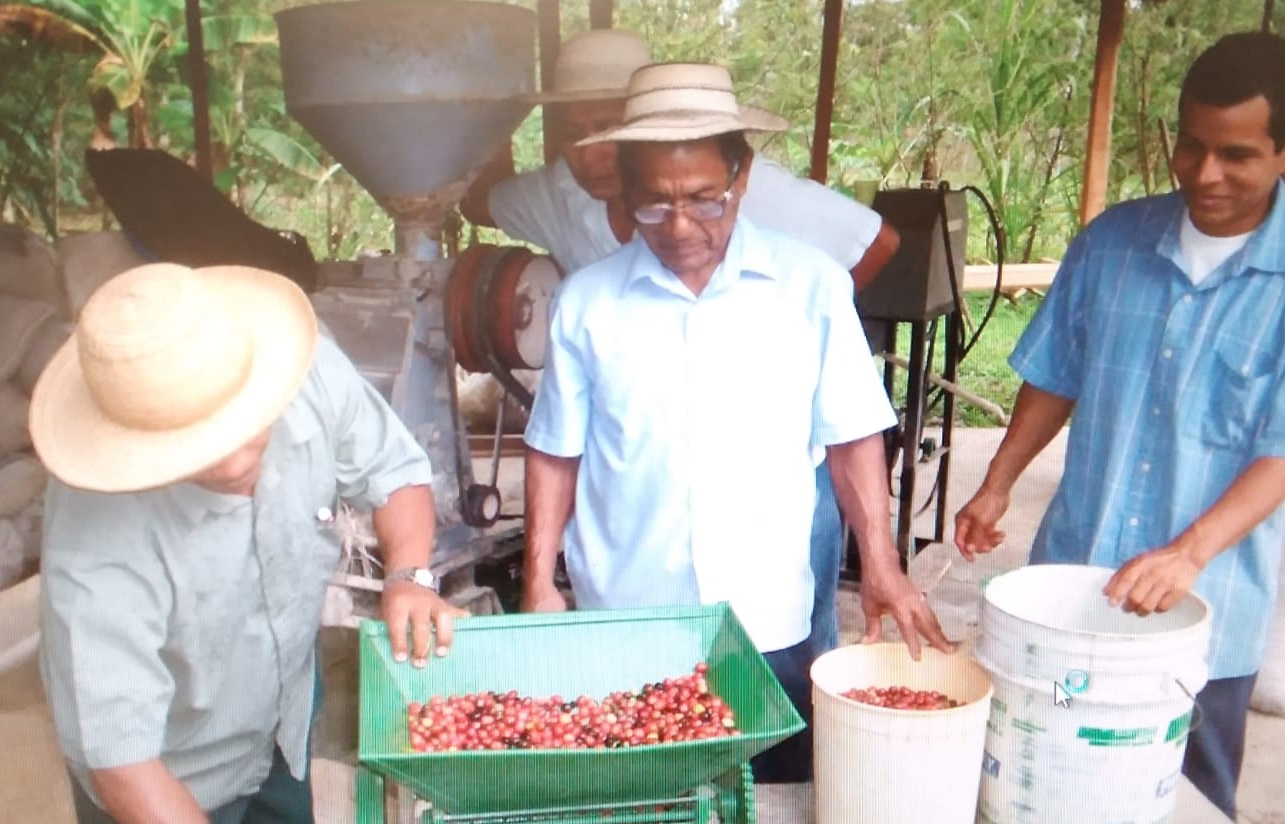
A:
1097	737
995	721
1028	726
1178	728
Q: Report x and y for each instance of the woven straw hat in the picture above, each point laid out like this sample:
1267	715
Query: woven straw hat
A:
595	65
672	102
169	371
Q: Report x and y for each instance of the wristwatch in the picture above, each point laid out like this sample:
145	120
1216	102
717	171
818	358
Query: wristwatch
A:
418	575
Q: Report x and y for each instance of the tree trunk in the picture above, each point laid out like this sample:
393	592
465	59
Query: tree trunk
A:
139	137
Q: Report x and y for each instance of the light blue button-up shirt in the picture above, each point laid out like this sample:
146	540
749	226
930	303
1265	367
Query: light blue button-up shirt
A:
1178	388
695	418
181	624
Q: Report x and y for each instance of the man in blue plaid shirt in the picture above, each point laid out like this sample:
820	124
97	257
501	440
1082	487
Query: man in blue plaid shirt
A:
1164	331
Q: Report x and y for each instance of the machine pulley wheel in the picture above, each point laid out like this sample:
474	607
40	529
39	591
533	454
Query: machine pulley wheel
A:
497	306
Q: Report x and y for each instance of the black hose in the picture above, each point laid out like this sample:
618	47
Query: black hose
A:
997	228
965	345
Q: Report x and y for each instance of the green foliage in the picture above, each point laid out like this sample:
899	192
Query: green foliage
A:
986	92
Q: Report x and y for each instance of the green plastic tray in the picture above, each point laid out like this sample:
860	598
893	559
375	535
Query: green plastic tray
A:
584	652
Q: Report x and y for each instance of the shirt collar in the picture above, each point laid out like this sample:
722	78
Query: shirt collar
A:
566	183
748	253
194	503
1264	251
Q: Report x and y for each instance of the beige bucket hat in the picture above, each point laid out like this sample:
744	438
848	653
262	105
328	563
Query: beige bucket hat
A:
169	371
672	102
595	65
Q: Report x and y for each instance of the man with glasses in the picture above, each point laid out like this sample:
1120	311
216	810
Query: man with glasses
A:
689	378
574	208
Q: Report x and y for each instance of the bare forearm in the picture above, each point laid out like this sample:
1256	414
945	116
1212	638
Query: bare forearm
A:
1254	495
876	257
404	527
861	484
550	498
1037	418
146	793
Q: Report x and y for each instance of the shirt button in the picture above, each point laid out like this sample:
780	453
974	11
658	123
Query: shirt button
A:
1133	522
1168	353
1146	467
1186	298
1155	410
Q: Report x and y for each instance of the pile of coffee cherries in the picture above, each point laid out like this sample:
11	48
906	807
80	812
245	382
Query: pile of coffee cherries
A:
676	709
901	698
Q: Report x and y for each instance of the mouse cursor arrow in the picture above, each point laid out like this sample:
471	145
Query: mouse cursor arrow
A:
1061	698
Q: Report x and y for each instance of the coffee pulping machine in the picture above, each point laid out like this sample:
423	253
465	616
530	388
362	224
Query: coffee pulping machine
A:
412	98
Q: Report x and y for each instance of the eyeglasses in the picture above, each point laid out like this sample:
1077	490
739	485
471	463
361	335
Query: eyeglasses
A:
701	208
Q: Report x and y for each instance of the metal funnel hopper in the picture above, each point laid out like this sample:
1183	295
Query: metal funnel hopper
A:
411	96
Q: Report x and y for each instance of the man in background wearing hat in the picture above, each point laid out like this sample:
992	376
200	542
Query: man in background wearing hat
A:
200	433
574	208
689	377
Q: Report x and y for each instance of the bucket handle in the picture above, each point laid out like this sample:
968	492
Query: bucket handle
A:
1197	714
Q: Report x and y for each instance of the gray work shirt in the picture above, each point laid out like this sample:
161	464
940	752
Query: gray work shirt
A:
181	624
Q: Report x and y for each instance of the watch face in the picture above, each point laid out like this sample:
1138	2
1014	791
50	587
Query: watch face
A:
425	578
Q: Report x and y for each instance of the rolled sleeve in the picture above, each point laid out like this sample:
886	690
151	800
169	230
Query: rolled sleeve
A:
850	401
559	422
1050	353
375	454
104	602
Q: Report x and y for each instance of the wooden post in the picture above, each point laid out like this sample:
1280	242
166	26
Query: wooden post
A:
825	90
550	39
600	14
1097	159
200	88
1269	6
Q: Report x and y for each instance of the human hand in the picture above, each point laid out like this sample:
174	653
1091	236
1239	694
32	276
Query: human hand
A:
975	524
407	606
1154	581
543	596
892	592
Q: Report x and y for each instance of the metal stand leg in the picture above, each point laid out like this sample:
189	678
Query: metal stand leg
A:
910	436
950	370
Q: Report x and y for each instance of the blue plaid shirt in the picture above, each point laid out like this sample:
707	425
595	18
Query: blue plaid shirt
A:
1178	388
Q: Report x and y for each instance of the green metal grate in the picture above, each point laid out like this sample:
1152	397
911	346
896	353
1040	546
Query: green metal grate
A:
729	799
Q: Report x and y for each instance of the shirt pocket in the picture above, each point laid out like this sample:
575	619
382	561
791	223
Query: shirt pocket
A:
1239	389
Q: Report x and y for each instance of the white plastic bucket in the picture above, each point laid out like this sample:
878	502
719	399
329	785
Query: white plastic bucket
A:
1113	752
873	765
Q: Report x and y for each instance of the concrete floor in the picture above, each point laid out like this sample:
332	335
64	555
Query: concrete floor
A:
33	785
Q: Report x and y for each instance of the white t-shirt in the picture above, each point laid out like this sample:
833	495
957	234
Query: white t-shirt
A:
548	208
694	418
1204	253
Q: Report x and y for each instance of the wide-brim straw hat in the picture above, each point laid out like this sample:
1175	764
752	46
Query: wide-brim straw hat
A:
672	102
595	65
169	371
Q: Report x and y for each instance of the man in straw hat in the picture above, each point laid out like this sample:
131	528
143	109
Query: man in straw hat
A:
575	209
689	377
201	433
